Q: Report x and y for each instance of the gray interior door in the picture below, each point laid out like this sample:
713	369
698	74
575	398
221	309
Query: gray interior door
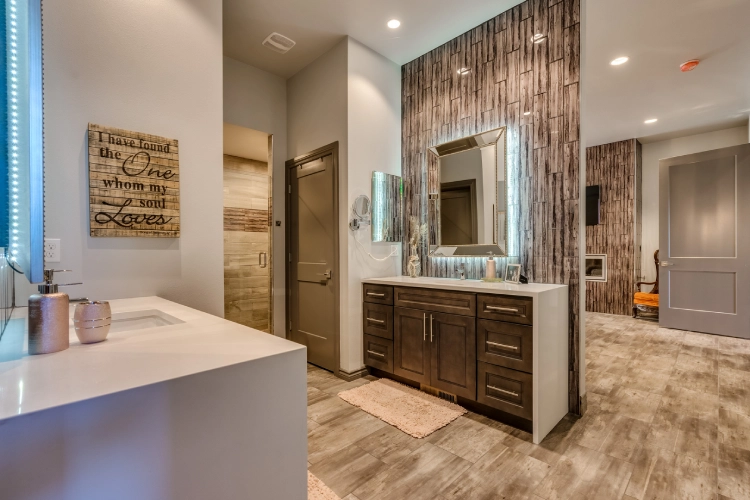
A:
312	263
704	226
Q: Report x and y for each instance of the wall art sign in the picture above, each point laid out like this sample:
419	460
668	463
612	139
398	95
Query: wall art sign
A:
134	184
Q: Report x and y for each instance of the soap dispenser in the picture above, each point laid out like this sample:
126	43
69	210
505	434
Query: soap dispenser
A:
490	271
49	317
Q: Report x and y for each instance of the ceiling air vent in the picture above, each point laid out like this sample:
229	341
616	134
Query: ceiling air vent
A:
279	43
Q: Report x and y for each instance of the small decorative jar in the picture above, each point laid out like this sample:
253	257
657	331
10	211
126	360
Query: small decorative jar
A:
92	320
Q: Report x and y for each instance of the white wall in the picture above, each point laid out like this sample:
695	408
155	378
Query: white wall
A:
258	100
652	153
351	95
151	67
374	145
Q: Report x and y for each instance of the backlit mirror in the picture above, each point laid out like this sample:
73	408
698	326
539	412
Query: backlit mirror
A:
468	209
22	94
387	191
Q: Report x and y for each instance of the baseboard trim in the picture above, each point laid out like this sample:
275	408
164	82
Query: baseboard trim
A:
353	375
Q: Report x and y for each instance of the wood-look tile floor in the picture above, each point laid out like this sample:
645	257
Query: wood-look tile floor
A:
668	418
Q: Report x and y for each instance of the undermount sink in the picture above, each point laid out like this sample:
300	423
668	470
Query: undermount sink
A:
139	320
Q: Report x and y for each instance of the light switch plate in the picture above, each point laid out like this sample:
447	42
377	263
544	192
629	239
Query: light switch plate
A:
51	250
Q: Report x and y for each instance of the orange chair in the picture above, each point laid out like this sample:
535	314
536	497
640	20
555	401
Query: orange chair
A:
647	302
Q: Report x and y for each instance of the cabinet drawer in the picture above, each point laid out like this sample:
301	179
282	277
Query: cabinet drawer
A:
379	353
505	308
464	304
377	294
505	389
377	320
505	344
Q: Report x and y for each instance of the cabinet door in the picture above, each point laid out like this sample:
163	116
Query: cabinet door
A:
411	351
453	342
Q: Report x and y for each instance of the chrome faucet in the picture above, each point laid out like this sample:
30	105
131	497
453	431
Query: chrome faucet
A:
462	270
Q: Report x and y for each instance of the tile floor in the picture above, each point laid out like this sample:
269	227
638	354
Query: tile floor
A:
668	418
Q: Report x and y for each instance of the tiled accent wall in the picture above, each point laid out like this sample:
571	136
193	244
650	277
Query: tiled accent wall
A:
533	90
247	295
614	167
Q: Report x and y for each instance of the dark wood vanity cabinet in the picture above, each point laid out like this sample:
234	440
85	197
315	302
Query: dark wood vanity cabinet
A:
436	349
479	347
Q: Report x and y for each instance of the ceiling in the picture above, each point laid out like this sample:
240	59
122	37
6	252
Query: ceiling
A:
245	143
657	36
317	25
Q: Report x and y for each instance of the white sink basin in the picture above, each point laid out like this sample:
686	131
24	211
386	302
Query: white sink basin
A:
140	320
137	320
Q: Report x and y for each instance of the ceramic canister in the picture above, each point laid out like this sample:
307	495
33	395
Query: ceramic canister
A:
92	320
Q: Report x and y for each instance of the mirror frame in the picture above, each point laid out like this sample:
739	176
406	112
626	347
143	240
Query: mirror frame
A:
480	250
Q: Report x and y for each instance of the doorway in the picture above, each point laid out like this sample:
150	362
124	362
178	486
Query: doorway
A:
248	276
313	255
704	240
458	213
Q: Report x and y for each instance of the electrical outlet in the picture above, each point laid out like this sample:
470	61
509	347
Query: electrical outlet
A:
51	250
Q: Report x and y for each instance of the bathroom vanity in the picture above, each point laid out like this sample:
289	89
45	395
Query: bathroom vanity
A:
498	349
176	403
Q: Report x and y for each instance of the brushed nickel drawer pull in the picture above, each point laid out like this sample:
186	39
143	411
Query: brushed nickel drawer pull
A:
373	294
376	353
378	321
515	394
503	345
502	309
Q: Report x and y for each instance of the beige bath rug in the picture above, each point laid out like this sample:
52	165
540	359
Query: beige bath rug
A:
316	490
414	412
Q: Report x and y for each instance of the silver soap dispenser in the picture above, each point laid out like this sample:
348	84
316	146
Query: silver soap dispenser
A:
49	316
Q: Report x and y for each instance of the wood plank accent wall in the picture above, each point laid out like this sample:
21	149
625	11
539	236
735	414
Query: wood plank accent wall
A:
614	167
247	286
533	90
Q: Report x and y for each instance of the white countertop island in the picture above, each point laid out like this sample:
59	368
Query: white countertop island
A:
550	333
189	407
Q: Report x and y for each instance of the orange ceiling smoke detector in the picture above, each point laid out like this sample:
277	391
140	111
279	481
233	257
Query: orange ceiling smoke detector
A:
689	65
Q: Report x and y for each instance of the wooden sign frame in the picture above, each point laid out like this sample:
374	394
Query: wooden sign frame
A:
134	184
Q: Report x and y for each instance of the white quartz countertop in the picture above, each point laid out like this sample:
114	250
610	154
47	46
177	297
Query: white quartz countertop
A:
476	286
126	360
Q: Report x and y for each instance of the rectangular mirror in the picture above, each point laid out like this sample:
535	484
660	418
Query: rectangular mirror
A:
22	59
387	191
468	202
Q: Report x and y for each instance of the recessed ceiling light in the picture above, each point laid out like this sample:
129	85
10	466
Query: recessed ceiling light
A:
650	120
618	61
538	38
527	113
463	71
394	23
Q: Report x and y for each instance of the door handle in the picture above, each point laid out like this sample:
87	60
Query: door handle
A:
424	326
666	263
430	327
263	259
326	274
